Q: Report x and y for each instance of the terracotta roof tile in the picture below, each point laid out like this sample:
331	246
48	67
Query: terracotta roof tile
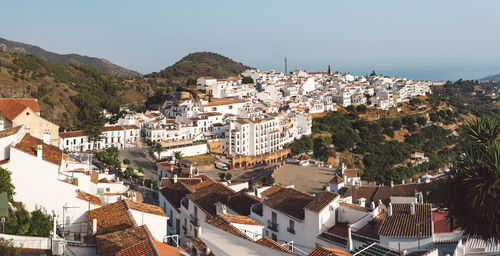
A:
114	242
222	224
323	251
289	201
238	219
12	107
112	128
241	202
268	242
175	192
271	190
142	248
88	197
206	196
336	180
72	134
50	153
9	131
111	217
321	201
403	224
147	208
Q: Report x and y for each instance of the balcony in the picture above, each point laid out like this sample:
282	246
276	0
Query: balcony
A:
272	226
290	230
193	220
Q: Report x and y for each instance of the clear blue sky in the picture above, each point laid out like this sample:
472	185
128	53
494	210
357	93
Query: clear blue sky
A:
422	39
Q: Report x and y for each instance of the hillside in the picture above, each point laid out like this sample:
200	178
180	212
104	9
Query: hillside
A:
64	91
199	64
99	64
492	78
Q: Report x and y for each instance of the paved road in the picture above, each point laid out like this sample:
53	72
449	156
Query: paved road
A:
137	159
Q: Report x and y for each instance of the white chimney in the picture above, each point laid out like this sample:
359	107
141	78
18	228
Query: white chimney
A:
327	188
175	178
2	126
403	182
94	226
39	151
46	137
389	210
412	208
392	184
372	205
191	171
349	238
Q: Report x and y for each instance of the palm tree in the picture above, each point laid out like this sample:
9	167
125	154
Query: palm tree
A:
178	155
158	149
471	190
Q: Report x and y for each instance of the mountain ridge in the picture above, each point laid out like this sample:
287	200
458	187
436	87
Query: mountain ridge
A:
495	78
71	58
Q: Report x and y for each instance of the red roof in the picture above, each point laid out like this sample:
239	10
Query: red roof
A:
8	104
29	144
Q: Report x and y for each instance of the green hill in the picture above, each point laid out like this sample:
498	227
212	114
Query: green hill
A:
200	64
100	64
493	78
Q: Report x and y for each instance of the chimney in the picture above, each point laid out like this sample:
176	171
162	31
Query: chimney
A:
412	208
175	178
191	171
94	226
389	210
418	180
403	181
392	184
372	205
46	137
2	126
342	170
39	151
349	238
327	188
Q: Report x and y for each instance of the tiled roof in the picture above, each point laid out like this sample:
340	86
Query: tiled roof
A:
385	192
222	224
94	177
111	217
206	196
289	201
112	128
12	107
350	173
130	127
200	245
238	219
174	193
88	197
322	251
143	248
241	202
9	131
114	242
271	190
354	206
333	239
375	249
165	249
336	180
321	201
187	181
268	242
370	230
403	224
72	134
146	208
29	144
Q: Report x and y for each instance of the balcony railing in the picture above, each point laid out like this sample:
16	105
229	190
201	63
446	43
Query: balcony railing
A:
272	226
290	230
194	220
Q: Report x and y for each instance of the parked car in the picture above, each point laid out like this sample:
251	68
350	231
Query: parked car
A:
221	166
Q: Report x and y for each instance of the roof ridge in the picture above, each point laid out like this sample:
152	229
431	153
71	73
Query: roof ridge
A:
153	246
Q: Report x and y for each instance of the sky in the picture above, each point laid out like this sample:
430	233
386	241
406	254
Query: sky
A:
433	40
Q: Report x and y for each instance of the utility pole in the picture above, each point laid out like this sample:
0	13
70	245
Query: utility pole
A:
286	67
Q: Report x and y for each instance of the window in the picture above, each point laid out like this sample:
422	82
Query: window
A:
291	227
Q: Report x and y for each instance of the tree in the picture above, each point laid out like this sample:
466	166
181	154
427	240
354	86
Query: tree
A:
373	73
421	120
158	149
126	161
228	176
246	80
21	222
129	172
329	70
7	248
361	109
221	175
6	184
93	124
178	155
471	191
433	116
397	124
